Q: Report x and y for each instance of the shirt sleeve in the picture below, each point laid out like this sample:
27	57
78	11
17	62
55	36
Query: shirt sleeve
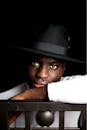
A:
71	90
14	91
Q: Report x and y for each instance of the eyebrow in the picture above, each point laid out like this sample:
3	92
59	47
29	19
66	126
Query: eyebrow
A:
54	62
50	60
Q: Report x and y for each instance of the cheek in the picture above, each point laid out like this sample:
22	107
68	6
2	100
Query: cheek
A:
30	72
56	75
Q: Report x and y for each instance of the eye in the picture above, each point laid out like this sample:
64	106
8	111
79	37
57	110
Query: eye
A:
54	66
35	64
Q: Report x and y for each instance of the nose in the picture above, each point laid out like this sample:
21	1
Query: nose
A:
43	72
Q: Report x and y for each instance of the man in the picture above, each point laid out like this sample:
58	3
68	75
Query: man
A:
48	59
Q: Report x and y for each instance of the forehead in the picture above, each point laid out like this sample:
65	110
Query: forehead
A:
45	58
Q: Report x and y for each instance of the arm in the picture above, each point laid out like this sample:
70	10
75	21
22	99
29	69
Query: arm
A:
34	93
69	90
73	90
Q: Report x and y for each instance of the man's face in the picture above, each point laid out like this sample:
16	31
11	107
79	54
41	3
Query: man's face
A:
43	70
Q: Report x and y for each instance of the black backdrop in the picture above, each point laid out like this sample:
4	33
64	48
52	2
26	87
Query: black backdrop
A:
23	26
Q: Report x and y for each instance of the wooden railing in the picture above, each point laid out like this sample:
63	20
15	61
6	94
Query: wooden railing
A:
29	106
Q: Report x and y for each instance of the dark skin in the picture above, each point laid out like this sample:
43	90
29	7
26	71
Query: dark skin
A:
41	71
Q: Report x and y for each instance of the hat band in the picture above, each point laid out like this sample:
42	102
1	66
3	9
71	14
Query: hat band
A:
47	47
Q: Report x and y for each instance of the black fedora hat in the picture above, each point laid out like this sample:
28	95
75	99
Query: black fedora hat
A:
53	42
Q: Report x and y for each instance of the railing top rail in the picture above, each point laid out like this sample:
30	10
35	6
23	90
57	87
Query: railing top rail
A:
31	105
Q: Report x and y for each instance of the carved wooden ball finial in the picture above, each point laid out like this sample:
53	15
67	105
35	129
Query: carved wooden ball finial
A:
45	118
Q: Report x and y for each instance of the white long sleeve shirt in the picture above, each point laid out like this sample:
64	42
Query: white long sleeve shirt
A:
69	90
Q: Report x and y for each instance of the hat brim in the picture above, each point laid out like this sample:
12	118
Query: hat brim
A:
50	54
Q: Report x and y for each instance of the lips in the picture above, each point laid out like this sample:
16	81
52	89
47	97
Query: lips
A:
39	85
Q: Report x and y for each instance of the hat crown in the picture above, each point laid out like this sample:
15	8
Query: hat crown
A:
56	35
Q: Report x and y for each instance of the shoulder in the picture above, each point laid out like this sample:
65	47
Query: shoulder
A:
13	91
74	77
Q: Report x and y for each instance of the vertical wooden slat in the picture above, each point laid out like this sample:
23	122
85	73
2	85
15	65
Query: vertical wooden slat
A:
83	112
3	116
61	120
86	116
27	121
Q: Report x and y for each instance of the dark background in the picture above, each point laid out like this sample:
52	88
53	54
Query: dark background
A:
23	25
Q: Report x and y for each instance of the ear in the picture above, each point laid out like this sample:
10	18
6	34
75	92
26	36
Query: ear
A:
63	68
